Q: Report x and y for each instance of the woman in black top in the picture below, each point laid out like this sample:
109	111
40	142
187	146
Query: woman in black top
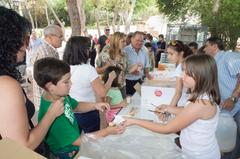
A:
15	109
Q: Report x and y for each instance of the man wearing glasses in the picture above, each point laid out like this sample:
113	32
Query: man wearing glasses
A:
103	38
53	37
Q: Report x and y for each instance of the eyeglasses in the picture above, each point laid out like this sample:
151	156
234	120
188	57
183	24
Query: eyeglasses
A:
59	36
107	29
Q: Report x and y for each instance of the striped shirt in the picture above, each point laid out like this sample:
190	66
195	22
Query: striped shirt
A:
228	64
42	51
134	58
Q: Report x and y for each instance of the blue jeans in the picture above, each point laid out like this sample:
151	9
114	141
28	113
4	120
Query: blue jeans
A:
88	122
66	155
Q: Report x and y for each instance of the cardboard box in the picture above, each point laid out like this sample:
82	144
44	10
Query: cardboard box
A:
152	94
9	149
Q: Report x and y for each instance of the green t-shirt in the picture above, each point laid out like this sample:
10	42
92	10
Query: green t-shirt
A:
115	95
64	130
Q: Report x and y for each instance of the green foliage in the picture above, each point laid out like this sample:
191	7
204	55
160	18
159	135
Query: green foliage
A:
223	23
60	8
144	9
174	9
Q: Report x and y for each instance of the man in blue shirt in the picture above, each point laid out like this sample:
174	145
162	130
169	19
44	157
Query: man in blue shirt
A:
138	62
228	64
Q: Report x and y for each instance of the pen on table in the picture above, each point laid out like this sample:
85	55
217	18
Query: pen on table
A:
154	105
165	113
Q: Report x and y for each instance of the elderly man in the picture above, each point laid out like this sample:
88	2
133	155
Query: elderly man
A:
228	64
53	37
138	62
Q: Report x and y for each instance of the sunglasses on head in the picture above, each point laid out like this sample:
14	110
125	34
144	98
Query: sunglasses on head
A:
173	42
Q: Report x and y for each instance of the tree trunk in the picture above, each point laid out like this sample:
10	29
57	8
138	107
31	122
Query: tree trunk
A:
82	17
119	23
54	14
216	5
46	11
74	17
29	14
107	19
115	14
97	21
35	15
129	17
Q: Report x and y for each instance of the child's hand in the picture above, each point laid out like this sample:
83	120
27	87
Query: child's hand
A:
162	112
112	75
162	108
102	106
129	121
117	129
57	108
124	103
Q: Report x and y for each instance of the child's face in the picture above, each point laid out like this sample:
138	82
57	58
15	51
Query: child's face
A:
149	49
173	56
63	86
188	81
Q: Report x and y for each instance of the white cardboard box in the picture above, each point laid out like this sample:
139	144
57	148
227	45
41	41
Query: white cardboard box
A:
156	94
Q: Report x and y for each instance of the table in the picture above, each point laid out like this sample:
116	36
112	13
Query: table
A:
135	142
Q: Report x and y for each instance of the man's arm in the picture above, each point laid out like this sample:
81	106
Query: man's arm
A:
229	102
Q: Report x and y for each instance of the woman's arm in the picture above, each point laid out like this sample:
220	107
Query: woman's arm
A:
101	70
178	92
13	115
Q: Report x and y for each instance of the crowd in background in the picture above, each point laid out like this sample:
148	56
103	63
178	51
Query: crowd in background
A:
97	73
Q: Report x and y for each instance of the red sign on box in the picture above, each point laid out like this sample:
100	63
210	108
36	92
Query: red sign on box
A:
158	93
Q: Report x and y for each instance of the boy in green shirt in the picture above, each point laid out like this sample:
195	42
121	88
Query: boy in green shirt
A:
63	137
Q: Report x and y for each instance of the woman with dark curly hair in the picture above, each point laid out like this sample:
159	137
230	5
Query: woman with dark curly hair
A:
15	109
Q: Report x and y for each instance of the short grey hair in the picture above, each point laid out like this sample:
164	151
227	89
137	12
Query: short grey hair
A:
52	30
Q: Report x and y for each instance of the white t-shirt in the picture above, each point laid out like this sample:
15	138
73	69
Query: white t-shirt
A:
178	71
198	140
81	78
184	97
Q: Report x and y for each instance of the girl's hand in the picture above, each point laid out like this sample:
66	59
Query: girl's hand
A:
124	103
112	75
57	108
162	108
117	129
161	112
129	121
102	106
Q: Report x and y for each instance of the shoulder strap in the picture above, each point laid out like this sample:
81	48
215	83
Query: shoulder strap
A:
29	121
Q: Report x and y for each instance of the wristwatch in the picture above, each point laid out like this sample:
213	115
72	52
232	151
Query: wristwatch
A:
234	99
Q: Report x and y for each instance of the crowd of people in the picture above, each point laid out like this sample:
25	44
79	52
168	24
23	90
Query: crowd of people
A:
72	93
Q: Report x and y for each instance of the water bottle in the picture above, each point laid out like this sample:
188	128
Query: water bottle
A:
226	132
162	61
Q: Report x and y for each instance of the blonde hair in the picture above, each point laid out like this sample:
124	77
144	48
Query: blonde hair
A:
114	49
